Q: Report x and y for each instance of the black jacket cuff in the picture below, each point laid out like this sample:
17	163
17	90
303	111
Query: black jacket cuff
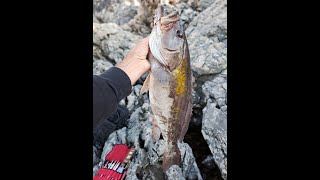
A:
119	81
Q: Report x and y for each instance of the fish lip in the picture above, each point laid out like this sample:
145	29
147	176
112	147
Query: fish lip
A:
172	15
171	50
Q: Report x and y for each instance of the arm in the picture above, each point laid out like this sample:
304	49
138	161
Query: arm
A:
109	89
112	86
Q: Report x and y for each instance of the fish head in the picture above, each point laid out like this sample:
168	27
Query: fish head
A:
167	40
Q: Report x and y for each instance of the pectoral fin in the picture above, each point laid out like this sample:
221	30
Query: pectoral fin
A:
174	64
145	86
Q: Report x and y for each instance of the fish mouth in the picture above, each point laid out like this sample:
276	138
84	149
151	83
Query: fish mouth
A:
169	18
171	50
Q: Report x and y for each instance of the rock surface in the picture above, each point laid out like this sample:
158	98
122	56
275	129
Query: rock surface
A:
115	11
207	37
112	43
214	122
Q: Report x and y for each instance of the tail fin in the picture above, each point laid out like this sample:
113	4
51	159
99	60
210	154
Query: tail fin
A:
171	158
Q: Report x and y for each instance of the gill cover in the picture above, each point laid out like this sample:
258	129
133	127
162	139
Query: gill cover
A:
167	37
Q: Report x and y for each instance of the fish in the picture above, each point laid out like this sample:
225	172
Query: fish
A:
169	82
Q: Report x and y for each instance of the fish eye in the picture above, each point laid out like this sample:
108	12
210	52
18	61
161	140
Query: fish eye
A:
179	34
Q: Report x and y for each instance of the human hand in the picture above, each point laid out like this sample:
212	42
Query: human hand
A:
135	64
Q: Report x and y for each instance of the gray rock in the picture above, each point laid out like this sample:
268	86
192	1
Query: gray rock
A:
139	160
175	173
115	11
95	169
100	66
214	131
212	22
95	20
187	13
134	127
134	99
203	4
187	158
208	162
216	90
95	156
206	35
142	22
97	53
111	42
156	153
199	5
138	131
195	98
194	173
150	172
189	165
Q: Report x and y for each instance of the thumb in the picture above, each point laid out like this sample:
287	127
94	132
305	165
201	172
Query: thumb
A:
145	45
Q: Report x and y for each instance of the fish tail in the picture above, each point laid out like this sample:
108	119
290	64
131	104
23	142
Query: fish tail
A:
171	158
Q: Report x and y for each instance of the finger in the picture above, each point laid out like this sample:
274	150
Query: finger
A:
143	46
145	42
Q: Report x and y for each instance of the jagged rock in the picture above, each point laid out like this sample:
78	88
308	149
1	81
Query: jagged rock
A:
187	13
203	4
175	173
194	173
95	169
150	172
189	166
216	89
112	42
214	131
142	22
100	66
212	22
195	98
95	156
207	35
199	5
209	162
134	99
115	11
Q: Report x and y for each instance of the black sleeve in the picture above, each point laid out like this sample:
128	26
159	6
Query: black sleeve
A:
109	88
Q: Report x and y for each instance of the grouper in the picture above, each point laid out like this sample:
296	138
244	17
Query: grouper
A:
169	82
